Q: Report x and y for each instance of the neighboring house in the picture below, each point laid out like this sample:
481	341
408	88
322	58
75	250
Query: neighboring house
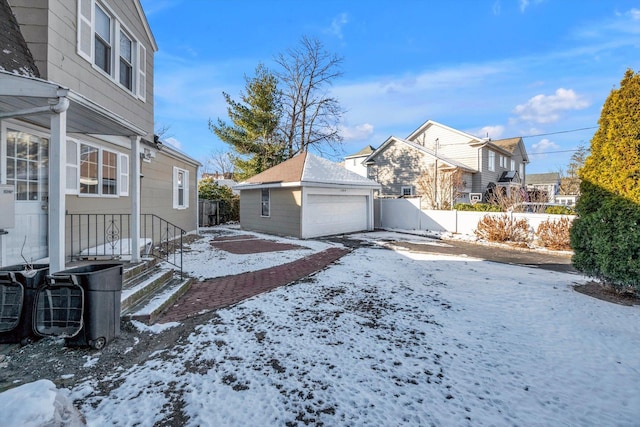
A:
354	162
307	196
439	150
76	129
223	179
543	187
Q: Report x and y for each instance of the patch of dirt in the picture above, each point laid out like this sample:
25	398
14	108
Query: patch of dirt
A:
606	293
49	358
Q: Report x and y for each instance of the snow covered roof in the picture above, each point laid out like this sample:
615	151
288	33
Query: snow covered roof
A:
15	56
306	169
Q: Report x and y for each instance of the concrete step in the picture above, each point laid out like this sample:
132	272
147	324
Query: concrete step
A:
145	283
148	309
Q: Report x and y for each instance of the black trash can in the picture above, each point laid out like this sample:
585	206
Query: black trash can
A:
81	304
18	285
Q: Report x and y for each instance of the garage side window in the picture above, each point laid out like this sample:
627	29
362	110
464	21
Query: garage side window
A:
266	201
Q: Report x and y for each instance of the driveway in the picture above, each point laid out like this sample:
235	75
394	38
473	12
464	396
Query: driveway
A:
547	260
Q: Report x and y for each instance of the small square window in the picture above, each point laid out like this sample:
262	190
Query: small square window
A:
407	191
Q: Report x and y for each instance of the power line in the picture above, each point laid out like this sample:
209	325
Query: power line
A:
561	131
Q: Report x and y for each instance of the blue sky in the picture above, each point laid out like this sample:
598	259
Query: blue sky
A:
499	67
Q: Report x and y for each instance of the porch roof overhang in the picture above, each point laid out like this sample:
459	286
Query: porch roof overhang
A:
33	99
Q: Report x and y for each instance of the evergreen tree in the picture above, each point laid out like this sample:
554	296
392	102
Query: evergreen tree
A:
253	132
606	235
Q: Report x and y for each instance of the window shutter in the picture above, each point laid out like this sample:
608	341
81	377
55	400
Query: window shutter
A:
124	175
175	188
142	72
72	168
186	189
85	29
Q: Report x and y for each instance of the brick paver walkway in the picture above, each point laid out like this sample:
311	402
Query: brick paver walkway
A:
226	291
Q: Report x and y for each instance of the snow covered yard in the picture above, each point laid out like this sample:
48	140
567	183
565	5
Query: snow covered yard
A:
392	338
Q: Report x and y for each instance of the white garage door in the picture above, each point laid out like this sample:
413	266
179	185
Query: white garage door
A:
334	214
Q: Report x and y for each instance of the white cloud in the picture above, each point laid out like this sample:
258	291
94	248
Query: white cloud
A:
338	24
548	108
493	132
540	149
635	14
356	133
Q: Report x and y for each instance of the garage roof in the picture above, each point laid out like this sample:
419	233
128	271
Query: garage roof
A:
306	169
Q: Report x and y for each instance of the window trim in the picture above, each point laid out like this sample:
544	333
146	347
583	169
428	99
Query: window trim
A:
492	161
5	128
268	202
176	189
86	34
100	174
406	187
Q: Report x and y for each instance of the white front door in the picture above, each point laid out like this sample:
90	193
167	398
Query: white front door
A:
26	167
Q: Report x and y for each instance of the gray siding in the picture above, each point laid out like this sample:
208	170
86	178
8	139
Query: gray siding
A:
285	212
450	144
52	38
399	165
156	190
481	180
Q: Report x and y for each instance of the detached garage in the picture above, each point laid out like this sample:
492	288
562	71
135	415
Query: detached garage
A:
307	196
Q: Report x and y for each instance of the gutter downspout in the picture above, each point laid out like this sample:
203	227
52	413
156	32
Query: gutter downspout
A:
60	105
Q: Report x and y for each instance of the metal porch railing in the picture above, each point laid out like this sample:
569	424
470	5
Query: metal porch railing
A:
109	236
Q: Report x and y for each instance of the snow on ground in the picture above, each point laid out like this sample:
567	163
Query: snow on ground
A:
393	338
206	262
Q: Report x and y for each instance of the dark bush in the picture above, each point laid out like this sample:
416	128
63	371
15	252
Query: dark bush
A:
559	210
606	243
478	207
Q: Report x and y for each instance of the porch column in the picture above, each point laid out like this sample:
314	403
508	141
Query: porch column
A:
134	193
57	186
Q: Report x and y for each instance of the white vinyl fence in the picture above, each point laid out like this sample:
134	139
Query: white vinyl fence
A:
405	214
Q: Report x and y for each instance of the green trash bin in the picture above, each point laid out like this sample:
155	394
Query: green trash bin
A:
81	304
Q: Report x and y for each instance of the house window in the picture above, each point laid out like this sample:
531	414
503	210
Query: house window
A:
513	165
88	169
180	188
406	191
521	171
265	202
126	61
109	173
492	161
503	162
26	165
98	171
102	40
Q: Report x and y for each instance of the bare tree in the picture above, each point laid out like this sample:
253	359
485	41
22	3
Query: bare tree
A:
162	131
310	115
570	181
220	161
440	187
